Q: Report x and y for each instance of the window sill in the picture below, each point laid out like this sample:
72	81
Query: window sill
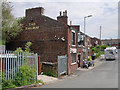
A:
73	45
74	63
81	46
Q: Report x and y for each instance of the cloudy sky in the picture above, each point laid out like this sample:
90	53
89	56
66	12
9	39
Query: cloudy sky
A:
104	13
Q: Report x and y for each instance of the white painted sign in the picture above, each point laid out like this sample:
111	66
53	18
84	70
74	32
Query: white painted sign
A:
73	50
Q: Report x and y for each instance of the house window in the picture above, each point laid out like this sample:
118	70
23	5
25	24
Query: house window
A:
88	43
80	40
73	38
73	57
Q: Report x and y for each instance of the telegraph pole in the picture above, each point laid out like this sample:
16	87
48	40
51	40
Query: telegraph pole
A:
100	41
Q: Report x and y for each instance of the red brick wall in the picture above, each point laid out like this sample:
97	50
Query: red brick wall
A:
63	19
34	11
71	67
46	38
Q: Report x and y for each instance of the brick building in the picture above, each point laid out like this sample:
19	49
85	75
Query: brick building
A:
111	42
51	39
95	41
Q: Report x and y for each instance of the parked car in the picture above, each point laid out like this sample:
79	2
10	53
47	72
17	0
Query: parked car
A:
110	53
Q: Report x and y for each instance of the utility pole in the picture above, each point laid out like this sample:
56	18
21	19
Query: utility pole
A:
100	41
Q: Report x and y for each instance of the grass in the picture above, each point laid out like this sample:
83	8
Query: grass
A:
50	73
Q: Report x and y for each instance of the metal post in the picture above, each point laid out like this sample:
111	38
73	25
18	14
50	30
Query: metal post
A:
84	37
1	63
10	64
84	32
18	61
14	66
36	65
100	41
6	64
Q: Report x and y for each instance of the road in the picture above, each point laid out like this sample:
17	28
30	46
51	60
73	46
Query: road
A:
102	76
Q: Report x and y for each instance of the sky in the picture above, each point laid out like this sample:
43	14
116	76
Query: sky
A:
104	14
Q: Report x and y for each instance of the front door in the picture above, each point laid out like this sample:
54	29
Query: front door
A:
79	56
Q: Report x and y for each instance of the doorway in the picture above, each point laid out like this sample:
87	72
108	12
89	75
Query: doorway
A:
79	57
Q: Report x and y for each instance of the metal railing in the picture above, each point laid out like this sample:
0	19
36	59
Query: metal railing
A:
10	63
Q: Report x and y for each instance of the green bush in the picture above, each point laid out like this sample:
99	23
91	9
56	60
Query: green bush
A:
50	73
7	83
97	47
102	52
91	47
98	55
25	76
27	47
88	59
103	47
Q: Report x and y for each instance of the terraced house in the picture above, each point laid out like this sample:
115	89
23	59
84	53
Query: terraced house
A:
59	45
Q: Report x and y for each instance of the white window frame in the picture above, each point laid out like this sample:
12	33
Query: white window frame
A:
74	33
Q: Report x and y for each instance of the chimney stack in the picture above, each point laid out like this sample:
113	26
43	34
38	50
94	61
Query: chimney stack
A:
70	23
63	18
38	11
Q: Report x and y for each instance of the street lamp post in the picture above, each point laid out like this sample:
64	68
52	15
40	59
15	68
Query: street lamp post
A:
84	33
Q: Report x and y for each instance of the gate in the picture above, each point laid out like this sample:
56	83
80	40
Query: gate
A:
62	65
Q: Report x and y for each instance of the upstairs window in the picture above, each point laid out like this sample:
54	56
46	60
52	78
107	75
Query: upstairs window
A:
73	38
73	57
80	39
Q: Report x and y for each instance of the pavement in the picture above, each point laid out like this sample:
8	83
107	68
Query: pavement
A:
49	79
97	62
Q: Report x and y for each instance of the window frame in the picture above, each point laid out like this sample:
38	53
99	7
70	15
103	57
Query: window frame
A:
73	38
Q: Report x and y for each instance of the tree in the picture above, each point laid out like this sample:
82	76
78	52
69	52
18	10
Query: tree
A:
10	25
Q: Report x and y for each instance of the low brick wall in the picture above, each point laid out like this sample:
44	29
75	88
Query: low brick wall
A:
46	66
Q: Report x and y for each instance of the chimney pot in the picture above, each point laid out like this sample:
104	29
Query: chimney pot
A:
65	13
60	13
70	23
63	18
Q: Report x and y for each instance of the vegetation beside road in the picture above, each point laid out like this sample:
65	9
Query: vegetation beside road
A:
26	74
99	50
50	73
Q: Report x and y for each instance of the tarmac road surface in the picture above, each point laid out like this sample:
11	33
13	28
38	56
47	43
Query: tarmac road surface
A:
102	76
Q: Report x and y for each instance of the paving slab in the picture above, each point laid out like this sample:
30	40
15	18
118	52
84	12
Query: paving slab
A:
47	79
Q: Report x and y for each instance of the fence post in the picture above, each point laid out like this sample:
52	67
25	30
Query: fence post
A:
36	65
1	63
39	66
12	64
18	61
1	71
6	64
